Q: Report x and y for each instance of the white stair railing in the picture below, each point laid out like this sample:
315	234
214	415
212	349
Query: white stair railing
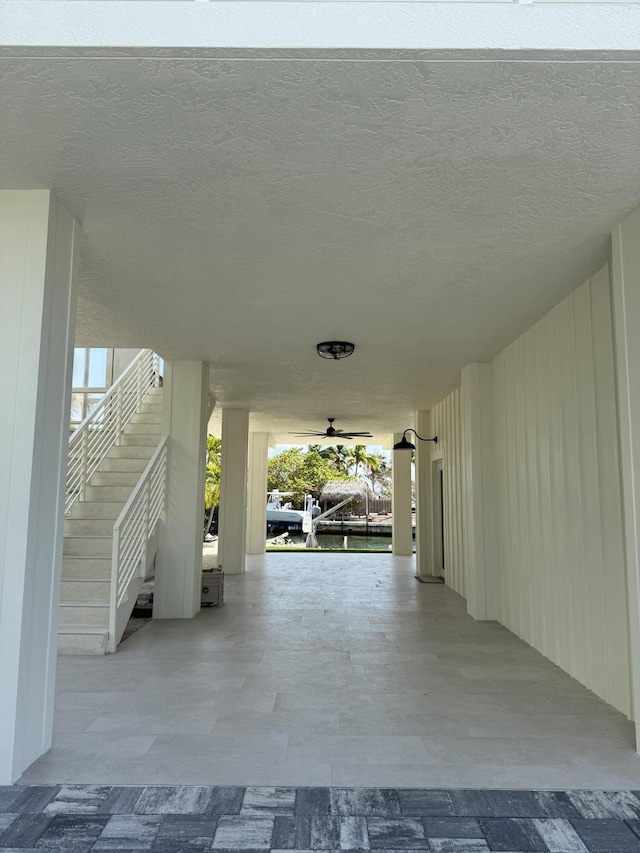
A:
133	534
102	429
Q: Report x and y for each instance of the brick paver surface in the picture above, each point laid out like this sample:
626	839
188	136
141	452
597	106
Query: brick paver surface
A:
84	818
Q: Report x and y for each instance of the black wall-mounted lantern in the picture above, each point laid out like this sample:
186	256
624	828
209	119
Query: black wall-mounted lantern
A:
404	444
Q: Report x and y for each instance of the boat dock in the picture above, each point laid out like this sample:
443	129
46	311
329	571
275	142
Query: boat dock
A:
372	527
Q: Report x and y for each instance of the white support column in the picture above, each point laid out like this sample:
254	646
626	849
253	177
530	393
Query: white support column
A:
626	322
401	501
232	522
424	496
257	492
38	250
475	403
179	561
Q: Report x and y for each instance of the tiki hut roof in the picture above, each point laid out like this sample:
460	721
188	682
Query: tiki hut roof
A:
340	490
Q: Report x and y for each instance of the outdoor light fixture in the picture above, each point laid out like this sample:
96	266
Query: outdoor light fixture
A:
403	444
335	349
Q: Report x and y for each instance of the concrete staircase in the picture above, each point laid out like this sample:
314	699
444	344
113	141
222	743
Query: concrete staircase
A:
88	541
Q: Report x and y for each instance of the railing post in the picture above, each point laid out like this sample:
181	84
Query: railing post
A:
140	383
84	462
155	368
113	597
131	539
145	547
118	414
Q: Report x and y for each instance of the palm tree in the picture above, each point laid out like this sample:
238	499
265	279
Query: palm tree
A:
337	455
358	456
378	472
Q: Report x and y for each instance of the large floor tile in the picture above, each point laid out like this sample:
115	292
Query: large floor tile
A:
332	669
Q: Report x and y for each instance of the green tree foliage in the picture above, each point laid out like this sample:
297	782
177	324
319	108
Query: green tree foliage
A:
358	459
301	473
337	456
378	472
374	468
212	477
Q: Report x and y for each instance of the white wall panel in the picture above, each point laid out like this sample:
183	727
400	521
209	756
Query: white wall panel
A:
232	522
38	249
626	313
425	545
177	589
477	478
445	423
557	493
256	492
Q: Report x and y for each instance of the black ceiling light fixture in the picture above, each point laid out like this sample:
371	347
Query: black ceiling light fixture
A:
405	444
335	349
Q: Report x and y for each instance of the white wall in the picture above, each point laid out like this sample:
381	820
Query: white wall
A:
257	492
232	518
401	527
482	590
549	562
425	545
185	412
557	495
38	248
626	304
445	423
122	358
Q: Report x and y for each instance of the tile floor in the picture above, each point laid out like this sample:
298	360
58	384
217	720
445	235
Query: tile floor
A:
332	670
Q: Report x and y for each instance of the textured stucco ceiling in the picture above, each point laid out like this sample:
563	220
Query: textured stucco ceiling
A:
240	211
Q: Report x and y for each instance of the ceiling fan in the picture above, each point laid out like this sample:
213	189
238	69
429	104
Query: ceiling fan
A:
332	432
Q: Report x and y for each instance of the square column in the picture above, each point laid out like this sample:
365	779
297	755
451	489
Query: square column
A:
257	492
402	533
476	428
179	561
626	322
232	520
38	250
424	497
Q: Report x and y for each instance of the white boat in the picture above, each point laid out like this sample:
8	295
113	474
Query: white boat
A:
282	514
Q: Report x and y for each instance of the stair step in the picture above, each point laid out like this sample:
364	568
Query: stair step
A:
86	568
96	509
129	439
88	546
88	526
82	640
154	418
131	451
85	613
86	564
137	464
83	591
133	428
108	493
115	478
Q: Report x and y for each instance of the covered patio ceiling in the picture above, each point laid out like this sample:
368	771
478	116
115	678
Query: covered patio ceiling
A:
239	210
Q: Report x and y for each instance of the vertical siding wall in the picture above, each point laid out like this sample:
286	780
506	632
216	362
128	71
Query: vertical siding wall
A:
445	423
557	497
